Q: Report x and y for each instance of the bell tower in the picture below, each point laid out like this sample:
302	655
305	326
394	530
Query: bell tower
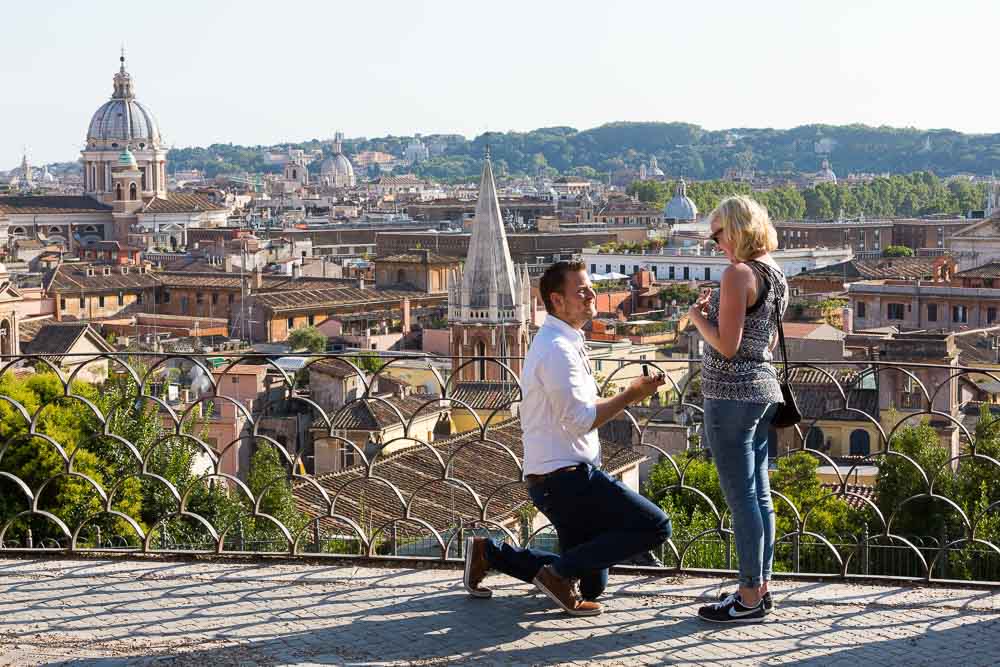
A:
488	301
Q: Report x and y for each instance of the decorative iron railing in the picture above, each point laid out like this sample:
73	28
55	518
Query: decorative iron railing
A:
895	472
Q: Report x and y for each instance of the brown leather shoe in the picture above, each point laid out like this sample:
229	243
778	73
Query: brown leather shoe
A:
561	592
476	567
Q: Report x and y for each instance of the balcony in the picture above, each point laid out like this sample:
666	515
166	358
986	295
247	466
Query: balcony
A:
82	473
870	495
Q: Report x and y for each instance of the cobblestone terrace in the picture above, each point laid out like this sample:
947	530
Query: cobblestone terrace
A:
92	612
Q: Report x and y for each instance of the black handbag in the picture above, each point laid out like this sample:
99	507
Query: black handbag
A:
787	413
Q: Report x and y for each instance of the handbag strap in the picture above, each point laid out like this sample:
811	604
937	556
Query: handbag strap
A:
764	273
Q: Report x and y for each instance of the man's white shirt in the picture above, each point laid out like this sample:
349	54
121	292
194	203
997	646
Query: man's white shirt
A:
559	401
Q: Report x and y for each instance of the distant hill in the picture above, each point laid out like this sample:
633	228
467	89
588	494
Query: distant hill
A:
680	148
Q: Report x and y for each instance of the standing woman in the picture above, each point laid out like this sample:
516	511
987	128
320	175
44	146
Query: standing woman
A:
741	390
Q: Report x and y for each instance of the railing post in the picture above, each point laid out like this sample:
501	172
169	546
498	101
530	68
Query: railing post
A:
317	540
865	551
795	553
729	551
30	541
98	531
461	537
943	554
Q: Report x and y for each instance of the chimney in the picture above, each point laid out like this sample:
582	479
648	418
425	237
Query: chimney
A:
406	316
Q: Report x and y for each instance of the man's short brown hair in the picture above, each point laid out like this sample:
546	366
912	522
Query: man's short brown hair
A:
554	279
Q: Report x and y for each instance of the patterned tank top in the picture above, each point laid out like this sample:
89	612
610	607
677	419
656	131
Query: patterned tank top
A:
749	376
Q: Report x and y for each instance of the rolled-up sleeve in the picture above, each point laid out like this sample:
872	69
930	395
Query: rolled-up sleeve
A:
569	388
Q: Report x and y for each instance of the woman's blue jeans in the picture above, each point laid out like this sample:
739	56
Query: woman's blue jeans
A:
736	432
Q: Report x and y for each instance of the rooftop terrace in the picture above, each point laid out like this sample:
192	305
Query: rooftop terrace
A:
126	612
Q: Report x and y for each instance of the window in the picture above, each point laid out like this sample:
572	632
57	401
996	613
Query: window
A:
940	237
62	303
312	320
708	273
991	315
138	298
100	302
895	311
670	272
121	299
290	323
687	273
932	312
215	298
909	400
132	192
83	302
199	298
166	296
230	299
621	268
815	438
635	268
347	455
860	443
959	314
607	268
593	268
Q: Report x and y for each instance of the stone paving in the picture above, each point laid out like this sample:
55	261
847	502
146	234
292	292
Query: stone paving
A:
98	612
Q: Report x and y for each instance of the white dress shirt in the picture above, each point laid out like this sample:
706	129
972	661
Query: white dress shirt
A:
559	401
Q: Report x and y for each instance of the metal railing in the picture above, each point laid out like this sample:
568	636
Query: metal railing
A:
122	464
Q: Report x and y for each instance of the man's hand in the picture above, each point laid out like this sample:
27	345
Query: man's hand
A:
644	387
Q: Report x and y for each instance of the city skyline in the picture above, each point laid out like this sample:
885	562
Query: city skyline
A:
402	72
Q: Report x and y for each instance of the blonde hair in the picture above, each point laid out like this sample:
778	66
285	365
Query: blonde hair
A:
747	226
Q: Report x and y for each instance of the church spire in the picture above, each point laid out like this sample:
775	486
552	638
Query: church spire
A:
489	281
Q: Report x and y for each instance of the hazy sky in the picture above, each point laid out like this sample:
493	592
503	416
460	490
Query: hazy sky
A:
259	72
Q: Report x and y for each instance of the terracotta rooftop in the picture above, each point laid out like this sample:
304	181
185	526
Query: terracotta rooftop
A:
990	270
486	466
417	257
818	397
68	278
375	415
50	204
874	269
343	296
181	202
58	338
486	395
812	331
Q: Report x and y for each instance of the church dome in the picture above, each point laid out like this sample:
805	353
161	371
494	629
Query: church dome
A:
338	169
680	207
123	118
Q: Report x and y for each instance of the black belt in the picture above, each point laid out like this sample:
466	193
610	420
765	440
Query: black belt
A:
534	480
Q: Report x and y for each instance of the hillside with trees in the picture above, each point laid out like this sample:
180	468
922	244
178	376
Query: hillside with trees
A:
682	149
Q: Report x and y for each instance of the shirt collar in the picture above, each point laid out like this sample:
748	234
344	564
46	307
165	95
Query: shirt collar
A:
564	329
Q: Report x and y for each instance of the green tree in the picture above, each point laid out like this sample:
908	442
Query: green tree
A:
367	360
897	251
901	478
308	339
684	295
269	479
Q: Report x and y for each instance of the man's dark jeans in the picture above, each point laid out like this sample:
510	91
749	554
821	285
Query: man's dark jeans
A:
600	522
